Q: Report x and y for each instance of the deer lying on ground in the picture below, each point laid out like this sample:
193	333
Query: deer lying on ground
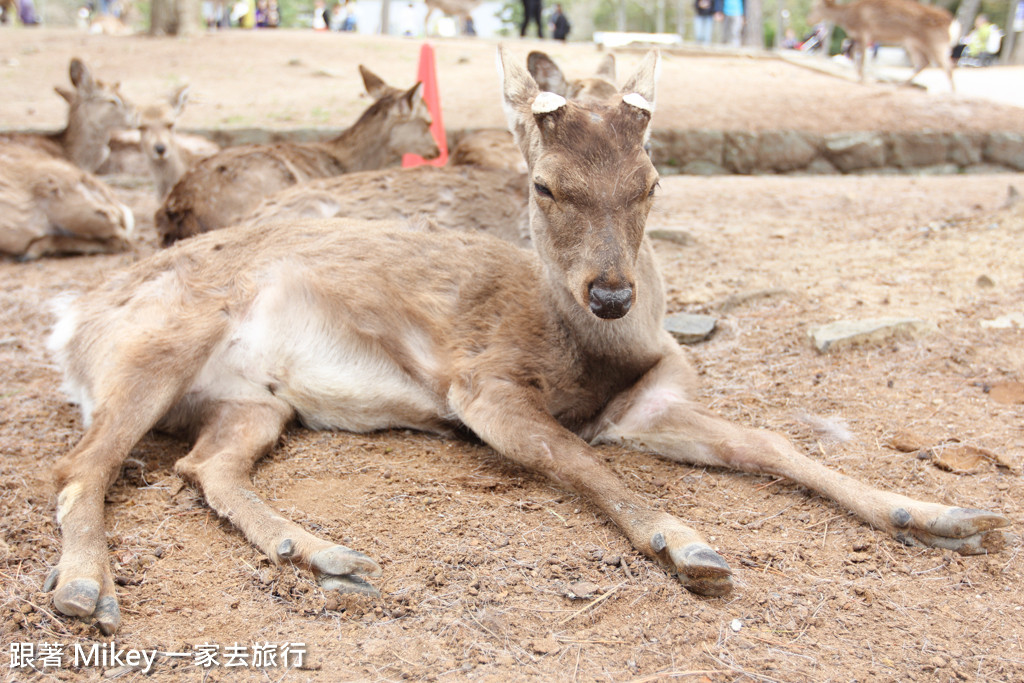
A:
223	188
926	32
155	148
49	206
491	199
481	194
352	325
95	111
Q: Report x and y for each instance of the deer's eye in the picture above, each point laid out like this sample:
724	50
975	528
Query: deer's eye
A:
653	188
543	190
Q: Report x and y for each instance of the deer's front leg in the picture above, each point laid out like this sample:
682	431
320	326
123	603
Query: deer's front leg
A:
513	421
657	416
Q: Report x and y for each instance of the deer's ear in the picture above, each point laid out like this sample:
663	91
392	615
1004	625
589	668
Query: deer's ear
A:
642	82
412	100
178	99
65	93
546	73
606	69
81	77
374	84
518	89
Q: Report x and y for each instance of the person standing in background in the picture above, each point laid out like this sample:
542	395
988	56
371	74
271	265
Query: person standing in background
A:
559	24
732	13
704	20
531	12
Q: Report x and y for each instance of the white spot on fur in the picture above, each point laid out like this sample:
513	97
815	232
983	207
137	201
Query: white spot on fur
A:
66	499
635	99
829	429
64	330
334	376
547	102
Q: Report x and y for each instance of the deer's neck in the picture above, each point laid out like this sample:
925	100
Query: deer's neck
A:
86	144
168	171
364	146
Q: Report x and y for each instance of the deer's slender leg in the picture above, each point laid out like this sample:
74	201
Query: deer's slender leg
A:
82	582
233	438
514	422
657	416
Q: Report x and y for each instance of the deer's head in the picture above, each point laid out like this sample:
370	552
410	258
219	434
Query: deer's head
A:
549	78
156	125
591	182
407	119
96	105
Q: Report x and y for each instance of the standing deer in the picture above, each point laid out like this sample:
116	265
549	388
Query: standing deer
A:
226	186
360	326
95	111
926	32
452	8
49	206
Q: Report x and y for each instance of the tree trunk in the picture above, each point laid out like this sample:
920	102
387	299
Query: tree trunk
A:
385	17
966	14
1013	42
780	23
683	18
174	17
621	16
753	31
659	16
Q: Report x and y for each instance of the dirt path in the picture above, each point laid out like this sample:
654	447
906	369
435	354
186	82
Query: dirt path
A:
478	556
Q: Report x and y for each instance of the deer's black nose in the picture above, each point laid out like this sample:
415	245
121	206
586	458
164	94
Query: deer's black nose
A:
610	303
160	149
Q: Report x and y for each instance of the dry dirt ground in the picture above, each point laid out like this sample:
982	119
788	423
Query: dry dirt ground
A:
480	557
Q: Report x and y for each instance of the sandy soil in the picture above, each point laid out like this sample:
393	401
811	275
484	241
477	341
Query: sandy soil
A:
479	557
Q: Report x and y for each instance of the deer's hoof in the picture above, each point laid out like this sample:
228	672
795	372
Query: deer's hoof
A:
347	584
701	570
963	530
341	561
77	597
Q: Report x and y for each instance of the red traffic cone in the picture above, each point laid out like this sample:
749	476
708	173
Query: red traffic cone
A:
427	75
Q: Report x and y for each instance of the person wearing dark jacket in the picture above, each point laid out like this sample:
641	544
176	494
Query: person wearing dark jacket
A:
559	24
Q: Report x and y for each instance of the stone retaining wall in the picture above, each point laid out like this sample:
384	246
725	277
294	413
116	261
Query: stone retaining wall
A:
713	152
709	152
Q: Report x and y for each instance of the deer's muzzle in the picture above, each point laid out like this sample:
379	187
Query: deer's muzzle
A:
608	303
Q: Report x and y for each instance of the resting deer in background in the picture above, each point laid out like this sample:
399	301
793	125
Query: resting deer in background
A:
360	326
926	32
95	111
226	186
490	197
155	148
49	206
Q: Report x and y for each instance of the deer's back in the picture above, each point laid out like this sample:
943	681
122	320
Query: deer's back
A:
896	20
228	185
491	201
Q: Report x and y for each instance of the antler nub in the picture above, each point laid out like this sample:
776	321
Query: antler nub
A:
547	102
635	99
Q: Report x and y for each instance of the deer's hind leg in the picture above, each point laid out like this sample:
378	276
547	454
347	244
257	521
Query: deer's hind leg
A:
233	437
656	415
